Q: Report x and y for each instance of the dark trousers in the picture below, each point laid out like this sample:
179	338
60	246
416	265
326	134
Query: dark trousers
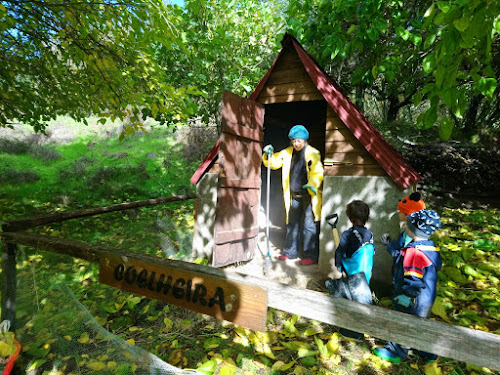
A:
301	211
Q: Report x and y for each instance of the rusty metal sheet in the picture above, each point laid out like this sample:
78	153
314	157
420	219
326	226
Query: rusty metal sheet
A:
236	219
236	214
240	158
233	252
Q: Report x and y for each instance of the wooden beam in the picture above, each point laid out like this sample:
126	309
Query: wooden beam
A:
242	131
355	170
446	340
334	122
288	76
305	87
338	146
290	98
21	224
9	276
289	60
340	135
350	157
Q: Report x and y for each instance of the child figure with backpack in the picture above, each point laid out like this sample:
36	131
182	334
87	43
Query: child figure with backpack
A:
355	251
415	275
354	259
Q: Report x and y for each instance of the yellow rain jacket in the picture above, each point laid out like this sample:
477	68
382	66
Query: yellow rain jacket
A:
283	159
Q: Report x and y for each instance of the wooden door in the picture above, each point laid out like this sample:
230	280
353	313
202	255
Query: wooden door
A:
238	192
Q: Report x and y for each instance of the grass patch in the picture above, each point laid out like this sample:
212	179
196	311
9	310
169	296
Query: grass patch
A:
94	171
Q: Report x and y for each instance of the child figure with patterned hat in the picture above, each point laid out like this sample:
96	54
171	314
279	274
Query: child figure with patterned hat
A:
406	206
415	275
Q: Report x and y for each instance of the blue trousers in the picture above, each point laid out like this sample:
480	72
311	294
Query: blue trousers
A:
301	211
402	351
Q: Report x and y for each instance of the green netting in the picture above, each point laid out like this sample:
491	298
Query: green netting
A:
60	336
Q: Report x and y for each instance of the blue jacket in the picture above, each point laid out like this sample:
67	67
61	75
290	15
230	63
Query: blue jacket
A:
415	274
355	252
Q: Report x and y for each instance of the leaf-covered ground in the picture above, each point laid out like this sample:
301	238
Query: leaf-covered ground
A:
77	175
453	173
468	295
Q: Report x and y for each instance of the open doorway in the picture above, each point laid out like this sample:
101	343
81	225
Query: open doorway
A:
278	120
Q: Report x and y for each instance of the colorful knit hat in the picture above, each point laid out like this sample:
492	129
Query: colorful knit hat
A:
298	132
411	203
423	223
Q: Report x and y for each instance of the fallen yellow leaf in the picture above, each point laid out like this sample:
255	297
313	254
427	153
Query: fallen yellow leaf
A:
335	359
287	366
6	349
432	369
96	366
277	365
333	345
175	357
84	338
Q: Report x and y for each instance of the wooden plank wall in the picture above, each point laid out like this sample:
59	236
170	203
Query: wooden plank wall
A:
349	156
289	82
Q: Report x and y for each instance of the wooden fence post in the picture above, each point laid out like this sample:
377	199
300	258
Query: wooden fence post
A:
9	273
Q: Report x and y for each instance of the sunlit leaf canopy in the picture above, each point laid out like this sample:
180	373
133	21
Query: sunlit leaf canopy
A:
444	54
437	61
86	57
229	45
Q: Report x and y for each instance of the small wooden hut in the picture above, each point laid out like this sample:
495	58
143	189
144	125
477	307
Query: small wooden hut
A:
359	164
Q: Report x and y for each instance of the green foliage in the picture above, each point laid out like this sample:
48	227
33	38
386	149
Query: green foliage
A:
228	45
439	53
82	57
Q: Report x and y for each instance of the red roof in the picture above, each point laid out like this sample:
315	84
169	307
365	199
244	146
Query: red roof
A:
387	156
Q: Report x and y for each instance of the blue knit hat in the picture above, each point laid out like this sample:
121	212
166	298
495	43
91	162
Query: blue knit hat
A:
423	223
298	132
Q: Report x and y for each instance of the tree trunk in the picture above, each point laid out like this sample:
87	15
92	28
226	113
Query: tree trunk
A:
393	110
469	123
360	96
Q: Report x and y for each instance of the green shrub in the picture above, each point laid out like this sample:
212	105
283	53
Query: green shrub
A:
77	169
197	142
13	147
16	147
11	176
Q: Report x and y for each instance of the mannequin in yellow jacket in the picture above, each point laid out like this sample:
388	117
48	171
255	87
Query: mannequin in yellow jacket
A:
302	178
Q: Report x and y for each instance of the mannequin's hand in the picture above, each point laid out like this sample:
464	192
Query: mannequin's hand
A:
269	149
311	188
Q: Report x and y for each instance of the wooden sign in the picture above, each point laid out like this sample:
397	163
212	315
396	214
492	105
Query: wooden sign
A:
240	303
